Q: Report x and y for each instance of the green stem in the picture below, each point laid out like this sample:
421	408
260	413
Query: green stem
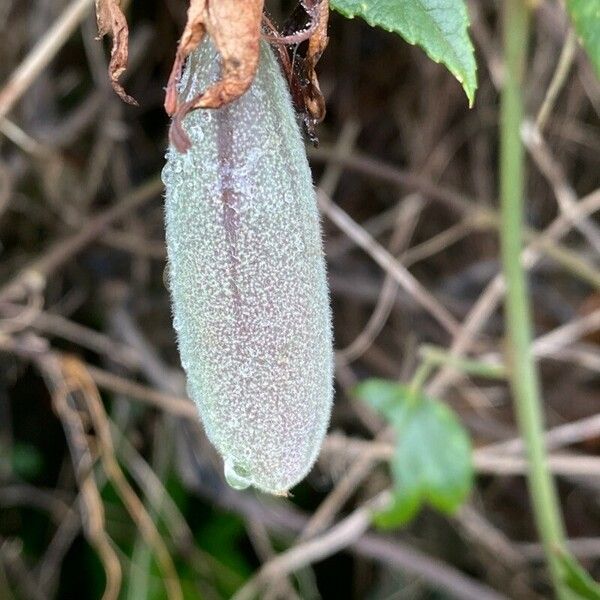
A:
438	356
418	381
523	372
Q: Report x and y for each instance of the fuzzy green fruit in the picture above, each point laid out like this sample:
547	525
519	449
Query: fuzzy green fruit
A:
247	279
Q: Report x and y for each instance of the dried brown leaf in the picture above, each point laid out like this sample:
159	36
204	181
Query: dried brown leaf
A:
111	21
315	103
82	384
299	65
91	507
234	27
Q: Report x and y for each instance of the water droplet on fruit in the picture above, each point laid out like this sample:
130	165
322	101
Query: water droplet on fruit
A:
236	476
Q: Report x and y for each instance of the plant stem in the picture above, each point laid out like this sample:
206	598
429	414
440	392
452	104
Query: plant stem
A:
418	381
523	372
438	356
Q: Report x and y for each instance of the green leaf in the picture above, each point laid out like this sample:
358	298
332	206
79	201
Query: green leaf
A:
585	15
387	397
402	509
432	463
577	578
438	26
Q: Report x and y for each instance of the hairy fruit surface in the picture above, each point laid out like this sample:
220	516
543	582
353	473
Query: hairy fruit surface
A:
247	278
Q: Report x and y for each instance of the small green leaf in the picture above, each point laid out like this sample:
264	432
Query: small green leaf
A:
438	26
401	510
432	463
577	578
585	15
433	457
386	397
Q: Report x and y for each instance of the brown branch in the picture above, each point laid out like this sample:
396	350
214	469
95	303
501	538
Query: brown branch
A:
35	274
41	54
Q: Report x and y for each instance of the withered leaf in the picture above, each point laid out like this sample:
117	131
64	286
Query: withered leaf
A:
317	43
299	64
234	28
111	21
295	30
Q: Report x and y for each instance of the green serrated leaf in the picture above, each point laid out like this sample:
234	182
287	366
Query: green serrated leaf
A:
577	579
585	15
437	26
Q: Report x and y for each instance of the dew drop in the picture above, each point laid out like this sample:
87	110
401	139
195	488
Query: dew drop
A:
166	174
236	476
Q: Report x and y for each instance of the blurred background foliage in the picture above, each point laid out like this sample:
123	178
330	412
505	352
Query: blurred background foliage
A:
420	178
